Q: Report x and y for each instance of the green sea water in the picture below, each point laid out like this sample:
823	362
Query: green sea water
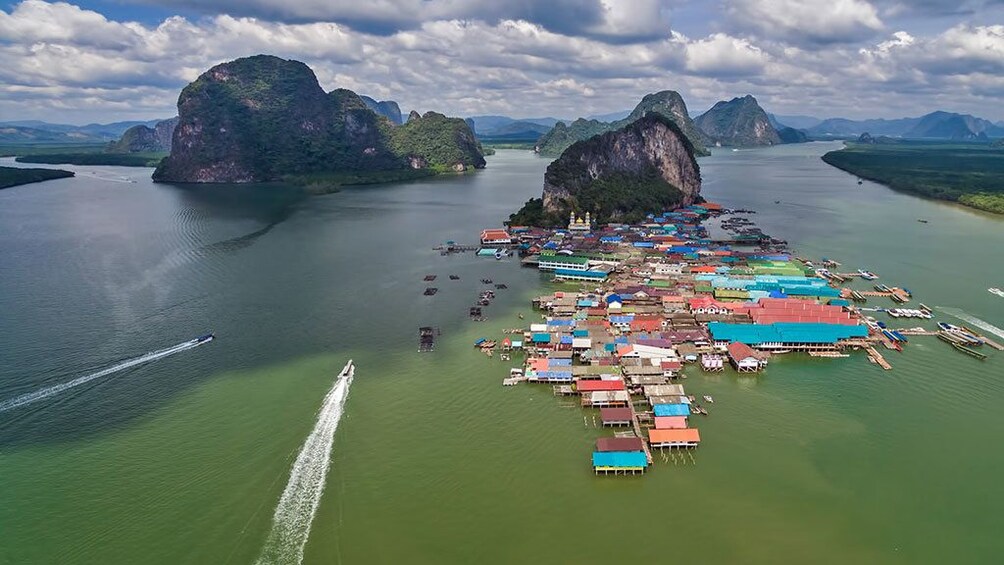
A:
183	460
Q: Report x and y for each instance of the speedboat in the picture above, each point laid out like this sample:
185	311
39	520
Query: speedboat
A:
949	327
997	291
205	338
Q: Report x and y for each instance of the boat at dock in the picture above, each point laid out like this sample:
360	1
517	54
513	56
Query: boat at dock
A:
970	352
867	275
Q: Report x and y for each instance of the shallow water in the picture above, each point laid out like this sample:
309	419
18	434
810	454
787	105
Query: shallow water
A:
184	459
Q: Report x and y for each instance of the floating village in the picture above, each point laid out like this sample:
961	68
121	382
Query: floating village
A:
643	304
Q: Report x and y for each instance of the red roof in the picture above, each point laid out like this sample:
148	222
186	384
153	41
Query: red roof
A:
493	234
598	385
615	414
740	351
619	444
671	365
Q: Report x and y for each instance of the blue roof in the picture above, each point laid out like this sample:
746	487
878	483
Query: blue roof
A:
671	410
587	274
753	334
643	244
555	375
541	338
560	322
621	459
625	319
614	298
566	339
559	362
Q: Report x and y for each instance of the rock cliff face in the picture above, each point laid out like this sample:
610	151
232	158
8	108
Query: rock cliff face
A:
142	139
386	108
263	118
740	122
646	166
668	103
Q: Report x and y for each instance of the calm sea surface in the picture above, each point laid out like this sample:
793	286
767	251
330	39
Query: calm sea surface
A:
183	459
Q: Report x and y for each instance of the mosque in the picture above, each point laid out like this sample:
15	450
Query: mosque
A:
580	223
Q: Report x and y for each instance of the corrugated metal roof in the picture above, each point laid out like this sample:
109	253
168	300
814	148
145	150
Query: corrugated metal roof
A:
619	459
615	414
671	410
605	444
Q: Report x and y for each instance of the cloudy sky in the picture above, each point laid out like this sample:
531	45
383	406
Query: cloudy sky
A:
105	60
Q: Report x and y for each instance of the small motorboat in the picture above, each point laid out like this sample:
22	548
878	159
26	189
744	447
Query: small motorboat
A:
708	399
921	220
997	291
205	338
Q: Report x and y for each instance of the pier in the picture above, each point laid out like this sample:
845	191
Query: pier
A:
875	357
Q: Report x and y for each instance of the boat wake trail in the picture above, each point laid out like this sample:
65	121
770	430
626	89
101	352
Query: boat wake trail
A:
299	501
983	325
44	393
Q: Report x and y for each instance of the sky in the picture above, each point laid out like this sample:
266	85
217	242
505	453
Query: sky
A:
110	60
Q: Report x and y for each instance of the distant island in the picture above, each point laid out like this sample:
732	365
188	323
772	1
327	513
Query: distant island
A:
968	173
13	176
667	103
740	122
263	118
618	176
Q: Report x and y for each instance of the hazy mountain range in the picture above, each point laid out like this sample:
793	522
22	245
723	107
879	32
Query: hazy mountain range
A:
36	131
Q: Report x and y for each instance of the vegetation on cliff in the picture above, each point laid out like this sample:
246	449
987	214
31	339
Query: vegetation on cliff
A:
970	174
562	137
667	103
438	141
12	176
264	118
646	166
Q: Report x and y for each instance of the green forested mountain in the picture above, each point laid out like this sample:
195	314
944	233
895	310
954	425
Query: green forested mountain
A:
739	122
620	175
667	103
264	118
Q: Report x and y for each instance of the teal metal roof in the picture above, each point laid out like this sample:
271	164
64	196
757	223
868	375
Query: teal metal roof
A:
621	459
754	334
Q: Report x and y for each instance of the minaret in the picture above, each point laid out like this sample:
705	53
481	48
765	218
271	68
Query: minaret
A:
589	221
571	219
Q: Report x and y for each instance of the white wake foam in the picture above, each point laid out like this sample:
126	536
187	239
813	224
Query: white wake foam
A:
966	317
40	394
302	495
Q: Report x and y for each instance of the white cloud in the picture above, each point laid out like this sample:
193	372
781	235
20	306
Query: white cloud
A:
723	55
807	21
93	68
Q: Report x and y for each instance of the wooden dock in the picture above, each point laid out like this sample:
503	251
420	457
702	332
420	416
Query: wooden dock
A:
875	357
985	339
637	431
